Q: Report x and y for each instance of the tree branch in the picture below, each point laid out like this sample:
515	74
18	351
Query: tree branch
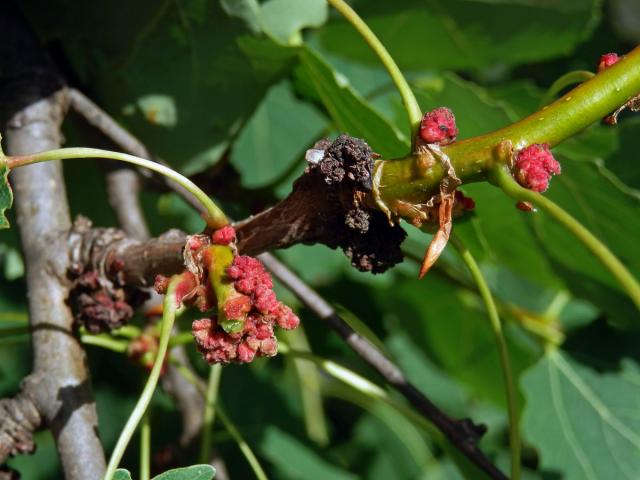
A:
33	103
141	262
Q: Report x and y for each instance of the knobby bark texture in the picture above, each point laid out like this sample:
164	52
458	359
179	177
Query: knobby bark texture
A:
33	104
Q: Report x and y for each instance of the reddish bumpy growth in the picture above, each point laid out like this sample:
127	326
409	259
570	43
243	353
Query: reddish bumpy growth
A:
607	60
224	235
256	337
534	166
439	126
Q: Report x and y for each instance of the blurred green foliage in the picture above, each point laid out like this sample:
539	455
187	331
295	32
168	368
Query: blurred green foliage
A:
244	87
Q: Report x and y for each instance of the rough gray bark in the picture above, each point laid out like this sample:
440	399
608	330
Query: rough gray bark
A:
60	384
32	106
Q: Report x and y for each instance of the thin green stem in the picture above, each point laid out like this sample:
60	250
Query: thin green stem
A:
502	178
127	331
104	341
563	82
13	331
473	158
145	447
414	113
243	445
215	216
503	352
170	308
182	338
228	425
211	397
544	327
360	384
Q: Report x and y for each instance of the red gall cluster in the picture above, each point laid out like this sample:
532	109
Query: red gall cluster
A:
534	166
439	126
98	305
607	60
257	303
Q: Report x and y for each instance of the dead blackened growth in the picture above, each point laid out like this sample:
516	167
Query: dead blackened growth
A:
328	205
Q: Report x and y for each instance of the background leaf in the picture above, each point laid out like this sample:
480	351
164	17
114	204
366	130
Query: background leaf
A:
584	423
284	19
194	472
350	112
466	33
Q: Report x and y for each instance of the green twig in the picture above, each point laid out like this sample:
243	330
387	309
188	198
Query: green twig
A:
170	308
571	78
228	425
473	158
182	338
145	447
215	217
496	326
104	341
243	445
501	177
360	384
414	113
13	331
211	397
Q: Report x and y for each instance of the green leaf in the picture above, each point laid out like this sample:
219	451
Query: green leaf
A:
247	10
623	162
284	20
122	474
181	64
194	472
456	34
275	137
606	210
440	314
585	424
6	195
350	112
159	110
295	460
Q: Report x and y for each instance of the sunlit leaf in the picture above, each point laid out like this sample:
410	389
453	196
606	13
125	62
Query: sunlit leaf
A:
424	34
583	423
350	112
284	19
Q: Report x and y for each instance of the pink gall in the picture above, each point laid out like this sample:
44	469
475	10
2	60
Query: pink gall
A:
224	235
534	166
607	60
285	318
245	353
439	126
